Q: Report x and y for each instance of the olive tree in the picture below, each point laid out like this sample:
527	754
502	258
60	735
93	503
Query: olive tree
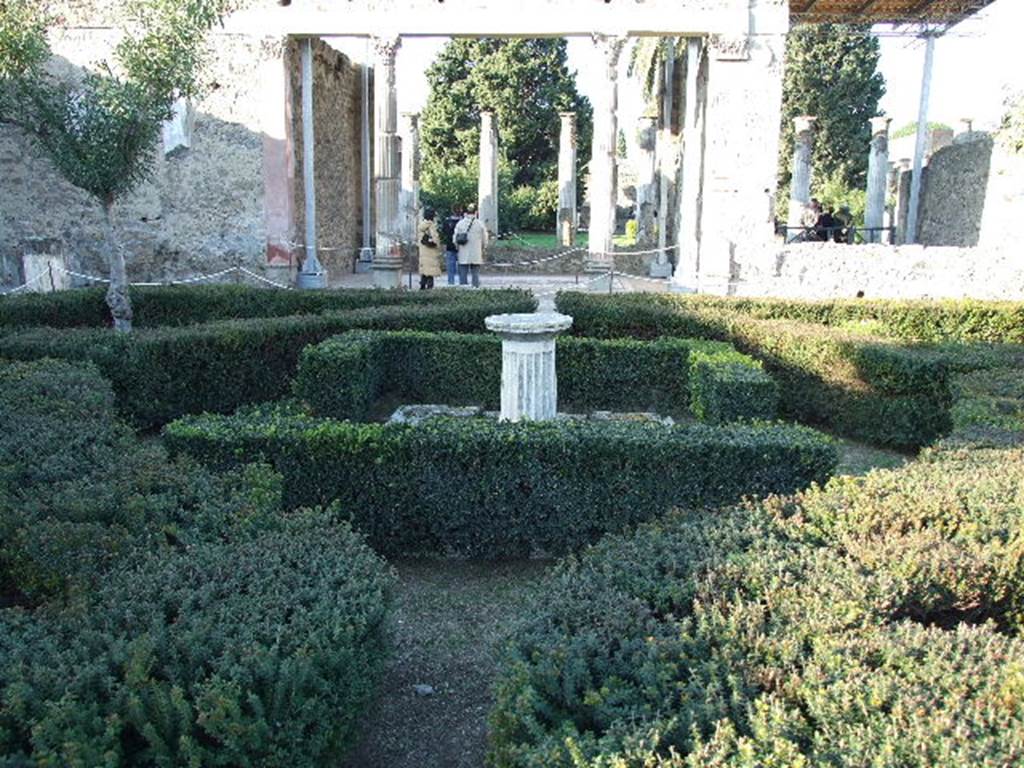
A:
100	129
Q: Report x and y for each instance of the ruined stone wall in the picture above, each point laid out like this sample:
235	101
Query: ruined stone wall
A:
206	207
337	109
201	210
829	270
953	193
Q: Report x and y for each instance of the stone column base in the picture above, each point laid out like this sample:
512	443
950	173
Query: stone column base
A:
387	276
311	280
661	269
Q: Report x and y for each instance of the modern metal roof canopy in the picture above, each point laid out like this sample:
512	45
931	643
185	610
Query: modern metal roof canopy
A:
883	11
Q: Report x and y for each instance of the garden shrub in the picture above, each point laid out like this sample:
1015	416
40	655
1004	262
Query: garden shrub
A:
191	304
477	487
178	617
841	627
79	490
345	376
864	387
908	319
160	374
989	408
258	651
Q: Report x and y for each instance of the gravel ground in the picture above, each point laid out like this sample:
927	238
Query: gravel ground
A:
449	621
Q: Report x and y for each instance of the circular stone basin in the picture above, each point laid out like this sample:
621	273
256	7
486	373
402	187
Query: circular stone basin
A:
527	324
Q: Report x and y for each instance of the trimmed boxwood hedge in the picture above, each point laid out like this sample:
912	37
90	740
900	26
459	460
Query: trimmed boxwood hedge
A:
178	617
78	490
260	651
864	387
191	304
875	621
908	319
160	374
344	377
478	487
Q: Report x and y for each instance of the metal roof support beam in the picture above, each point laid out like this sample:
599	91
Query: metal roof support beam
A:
922	135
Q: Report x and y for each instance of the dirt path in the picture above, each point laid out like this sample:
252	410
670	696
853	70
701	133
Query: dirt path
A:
449	621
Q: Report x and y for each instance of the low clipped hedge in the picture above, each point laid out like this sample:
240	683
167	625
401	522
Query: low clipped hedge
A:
909	319
864	387
78	490
873	622
344	377
262	651
477	487
191	304
155	613
160	374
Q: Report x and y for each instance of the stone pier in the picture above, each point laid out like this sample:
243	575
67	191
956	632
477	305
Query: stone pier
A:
685	278
800	184
529	385
411	177
878	178
567	180
603	188
646	182
487	189
387	260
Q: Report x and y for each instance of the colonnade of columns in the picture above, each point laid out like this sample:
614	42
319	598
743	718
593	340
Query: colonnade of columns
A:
396	171
878	183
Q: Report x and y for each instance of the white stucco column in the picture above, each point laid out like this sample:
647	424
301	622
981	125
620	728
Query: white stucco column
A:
878	178
529	385
800	182
603	190
646	182
411	176
566	226
387	260
312	274
687	255
487	188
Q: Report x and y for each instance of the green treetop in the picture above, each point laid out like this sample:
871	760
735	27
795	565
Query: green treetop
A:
526	83
832	74
100	127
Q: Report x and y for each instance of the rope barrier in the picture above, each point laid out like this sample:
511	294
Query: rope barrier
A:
612	273
25	286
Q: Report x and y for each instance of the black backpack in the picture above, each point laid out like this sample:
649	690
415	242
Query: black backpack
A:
448	232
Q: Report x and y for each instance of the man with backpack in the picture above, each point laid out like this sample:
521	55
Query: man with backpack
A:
451	251
470	239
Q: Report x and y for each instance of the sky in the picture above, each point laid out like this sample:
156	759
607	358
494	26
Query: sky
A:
974	70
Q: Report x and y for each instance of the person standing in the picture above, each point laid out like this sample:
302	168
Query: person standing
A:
451	251
430	250
471	239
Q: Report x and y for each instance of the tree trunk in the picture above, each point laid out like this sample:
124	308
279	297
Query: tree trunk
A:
117	294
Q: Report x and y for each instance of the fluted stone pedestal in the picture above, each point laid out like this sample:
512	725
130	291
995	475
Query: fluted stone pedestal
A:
529	387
